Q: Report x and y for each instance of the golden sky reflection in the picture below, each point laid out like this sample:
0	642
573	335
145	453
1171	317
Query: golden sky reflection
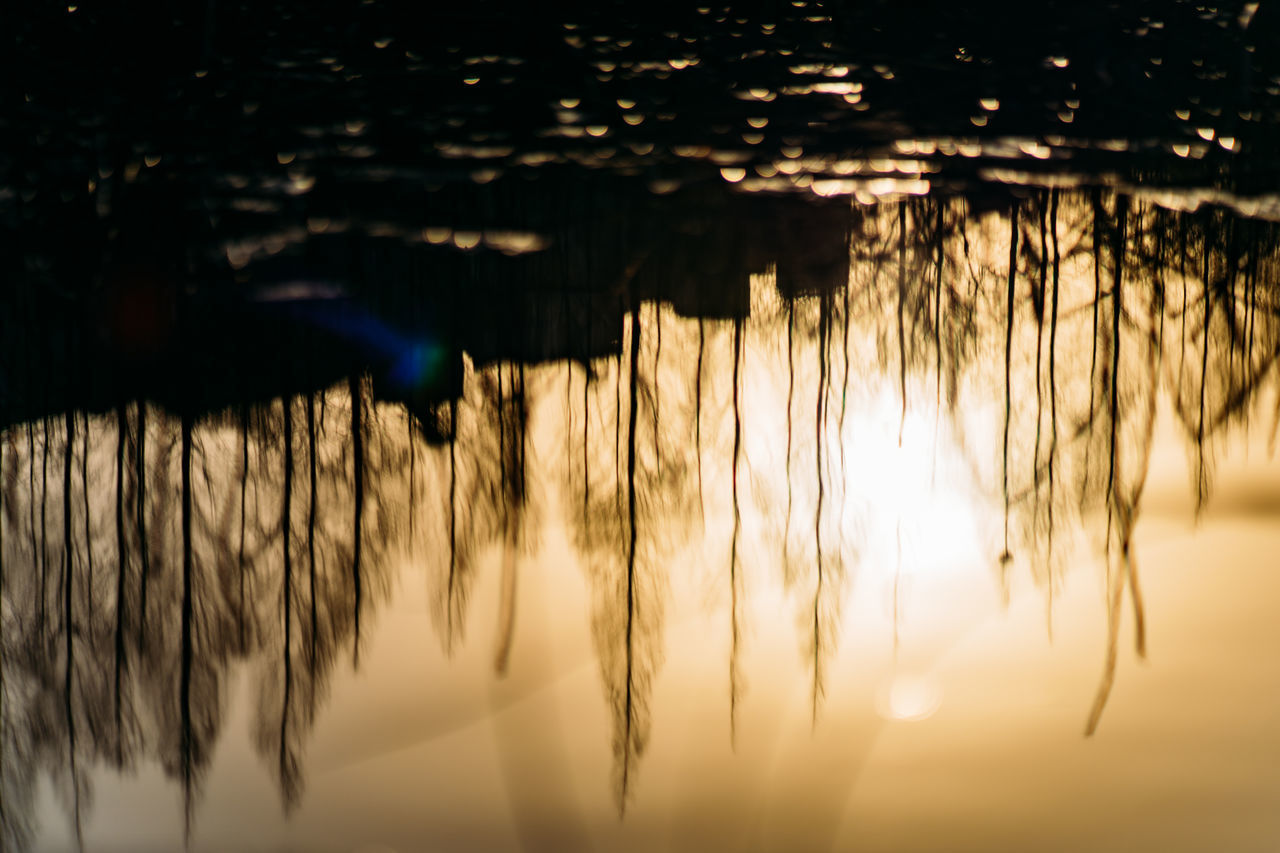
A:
419	747
849	664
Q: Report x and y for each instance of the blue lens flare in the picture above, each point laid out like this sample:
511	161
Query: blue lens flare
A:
418	365
413	361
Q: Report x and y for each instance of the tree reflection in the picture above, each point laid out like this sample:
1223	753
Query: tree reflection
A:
147	550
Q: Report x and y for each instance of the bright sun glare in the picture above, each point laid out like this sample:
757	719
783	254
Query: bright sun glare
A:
911	494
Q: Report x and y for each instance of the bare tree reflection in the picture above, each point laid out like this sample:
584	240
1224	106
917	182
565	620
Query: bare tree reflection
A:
634	513
147	550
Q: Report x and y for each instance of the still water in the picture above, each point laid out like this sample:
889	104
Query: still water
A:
870	550
769	429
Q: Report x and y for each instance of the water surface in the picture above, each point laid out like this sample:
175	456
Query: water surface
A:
727	431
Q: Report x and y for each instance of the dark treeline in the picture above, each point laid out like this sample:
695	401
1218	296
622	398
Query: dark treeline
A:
697	423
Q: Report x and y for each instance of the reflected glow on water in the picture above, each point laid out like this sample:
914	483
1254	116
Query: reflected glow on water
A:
909	698
902	469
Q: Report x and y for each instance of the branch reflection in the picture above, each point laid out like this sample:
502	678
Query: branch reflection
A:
730	398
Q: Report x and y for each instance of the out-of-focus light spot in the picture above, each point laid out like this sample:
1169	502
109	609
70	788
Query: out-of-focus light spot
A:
536	158
642	149
792	151
633	119
381	43
437	236
238	257
1072	103
1205	133
757	122
484	176
72	8
1182	150
1182	114
1034	149
317	224
355	127
570	103
203	72
833	187
515	242
989	104
471	81
722	157
597	129
466	239
1228	142
626	103
1059	61
909	698
663	186
898	186
766	170
678	64
1066	116
151	160
301	183
753	138
284	158
978	121
733	174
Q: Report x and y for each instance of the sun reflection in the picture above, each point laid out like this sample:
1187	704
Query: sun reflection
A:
911	490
